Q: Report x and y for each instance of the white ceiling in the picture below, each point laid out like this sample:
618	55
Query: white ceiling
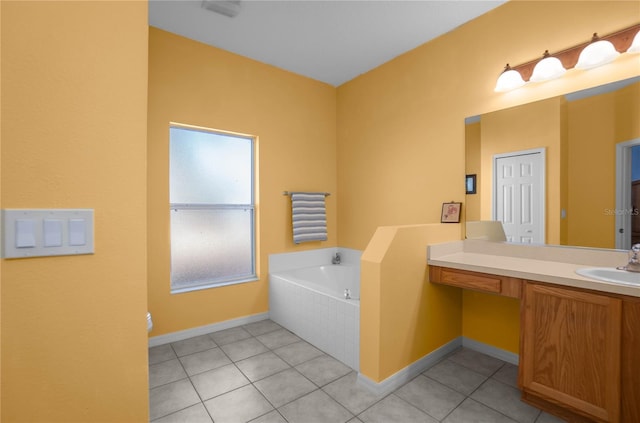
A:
331	41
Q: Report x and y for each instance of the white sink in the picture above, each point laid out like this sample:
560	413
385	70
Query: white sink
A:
610	274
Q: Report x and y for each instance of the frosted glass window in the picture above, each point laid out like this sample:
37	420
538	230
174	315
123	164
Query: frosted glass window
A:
210	168
212	210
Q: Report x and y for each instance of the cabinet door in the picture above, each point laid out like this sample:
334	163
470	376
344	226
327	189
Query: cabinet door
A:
630	369
571	350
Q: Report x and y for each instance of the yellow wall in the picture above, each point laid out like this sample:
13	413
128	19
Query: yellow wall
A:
0	202
564	175
401	126
294	120
534	125
403	317
491	319
596	125
74	85
473	167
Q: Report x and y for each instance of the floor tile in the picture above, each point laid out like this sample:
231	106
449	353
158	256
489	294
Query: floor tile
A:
473	411
284	387
278	338
262	327
244	349
184	373
218	381
322	370
161	353
396	410
172	397
165	372
548	418
193	345
355	397
455	376
476	361
430	396
298	352
505	399
316	407
261	365
238	406
194	414
507	374
203	361
229	336
272	417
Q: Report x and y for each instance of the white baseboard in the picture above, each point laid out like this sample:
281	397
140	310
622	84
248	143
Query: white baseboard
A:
154	341
490	350
403	376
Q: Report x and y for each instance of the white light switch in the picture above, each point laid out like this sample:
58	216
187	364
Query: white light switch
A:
28	233
77	232
52	232
25	233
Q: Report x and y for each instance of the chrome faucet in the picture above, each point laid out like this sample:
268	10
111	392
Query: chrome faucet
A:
634	259
336	259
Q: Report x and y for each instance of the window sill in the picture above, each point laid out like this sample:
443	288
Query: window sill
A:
213	285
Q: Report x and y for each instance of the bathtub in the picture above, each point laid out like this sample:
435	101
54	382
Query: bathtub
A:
320	304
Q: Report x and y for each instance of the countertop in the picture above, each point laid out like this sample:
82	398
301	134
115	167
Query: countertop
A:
543	263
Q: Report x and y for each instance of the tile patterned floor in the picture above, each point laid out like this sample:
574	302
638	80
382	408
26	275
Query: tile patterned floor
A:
262	373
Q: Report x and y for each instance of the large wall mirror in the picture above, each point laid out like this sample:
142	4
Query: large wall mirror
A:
564	170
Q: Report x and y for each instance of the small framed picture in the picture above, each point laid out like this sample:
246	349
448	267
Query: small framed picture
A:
470	184
450	212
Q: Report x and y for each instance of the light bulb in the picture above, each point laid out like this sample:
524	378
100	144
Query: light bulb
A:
598	53
509	80
547	68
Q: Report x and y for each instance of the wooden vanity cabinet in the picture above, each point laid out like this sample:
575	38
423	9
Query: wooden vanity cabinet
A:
570	354
579	353
630	360
579	349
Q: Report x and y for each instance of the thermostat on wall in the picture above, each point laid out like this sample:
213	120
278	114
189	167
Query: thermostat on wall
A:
46	232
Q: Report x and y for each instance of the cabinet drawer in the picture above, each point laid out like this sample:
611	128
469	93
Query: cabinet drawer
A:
502	285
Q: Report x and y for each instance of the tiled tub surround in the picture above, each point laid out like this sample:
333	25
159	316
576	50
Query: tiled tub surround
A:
306	296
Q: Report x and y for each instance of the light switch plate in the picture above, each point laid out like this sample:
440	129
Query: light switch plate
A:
46	232
25	233
52	235
77	235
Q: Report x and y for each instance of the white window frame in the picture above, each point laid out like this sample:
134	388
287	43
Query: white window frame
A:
214	283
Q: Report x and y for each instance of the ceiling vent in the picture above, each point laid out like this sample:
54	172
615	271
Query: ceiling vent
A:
228	8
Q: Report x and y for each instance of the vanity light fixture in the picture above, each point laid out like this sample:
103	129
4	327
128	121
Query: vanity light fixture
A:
635	45
509	80
596	52
548	68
